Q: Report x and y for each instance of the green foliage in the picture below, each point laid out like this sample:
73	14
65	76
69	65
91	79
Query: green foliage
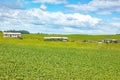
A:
43	63
34	59
76	37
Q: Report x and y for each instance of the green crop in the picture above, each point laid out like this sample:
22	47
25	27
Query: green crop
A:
32	58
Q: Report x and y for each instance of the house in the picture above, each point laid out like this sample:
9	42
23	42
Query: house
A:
55	38
11	35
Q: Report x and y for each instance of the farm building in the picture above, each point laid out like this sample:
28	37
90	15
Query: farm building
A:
108	41
11	35
56	38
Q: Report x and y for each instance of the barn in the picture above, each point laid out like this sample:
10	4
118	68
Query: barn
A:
55	38
11	35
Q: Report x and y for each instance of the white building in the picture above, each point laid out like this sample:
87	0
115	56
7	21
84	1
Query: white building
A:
11	34
56	38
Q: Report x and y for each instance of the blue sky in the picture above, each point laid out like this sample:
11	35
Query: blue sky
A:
61	16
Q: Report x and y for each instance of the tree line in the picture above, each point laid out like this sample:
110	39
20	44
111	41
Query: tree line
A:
18	31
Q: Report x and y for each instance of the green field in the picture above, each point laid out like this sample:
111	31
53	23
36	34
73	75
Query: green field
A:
35	59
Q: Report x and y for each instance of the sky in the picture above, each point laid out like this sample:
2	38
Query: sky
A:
61	16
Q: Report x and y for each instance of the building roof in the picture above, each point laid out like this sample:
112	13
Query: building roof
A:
55	37
10	33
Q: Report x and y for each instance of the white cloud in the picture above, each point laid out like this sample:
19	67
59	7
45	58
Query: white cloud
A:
43	7
116	18
68	29
12	5
116	24
103	12
37	20
51	1
59	18
99	6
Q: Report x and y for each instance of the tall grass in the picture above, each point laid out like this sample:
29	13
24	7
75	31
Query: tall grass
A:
46	63
35	59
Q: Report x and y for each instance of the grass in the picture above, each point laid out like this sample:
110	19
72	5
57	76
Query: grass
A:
37	40
34	59
28	62
76	37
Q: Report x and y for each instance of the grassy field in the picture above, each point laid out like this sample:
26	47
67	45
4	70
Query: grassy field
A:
34	59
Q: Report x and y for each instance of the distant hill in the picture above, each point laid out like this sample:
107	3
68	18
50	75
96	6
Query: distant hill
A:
71	37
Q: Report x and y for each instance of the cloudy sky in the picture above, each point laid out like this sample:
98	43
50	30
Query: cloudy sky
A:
61	16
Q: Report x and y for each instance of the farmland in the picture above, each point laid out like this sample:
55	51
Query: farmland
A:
32	58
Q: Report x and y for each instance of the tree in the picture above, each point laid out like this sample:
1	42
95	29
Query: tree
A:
19	31
0	31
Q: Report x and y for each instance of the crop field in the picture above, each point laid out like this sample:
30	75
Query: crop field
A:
32	58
